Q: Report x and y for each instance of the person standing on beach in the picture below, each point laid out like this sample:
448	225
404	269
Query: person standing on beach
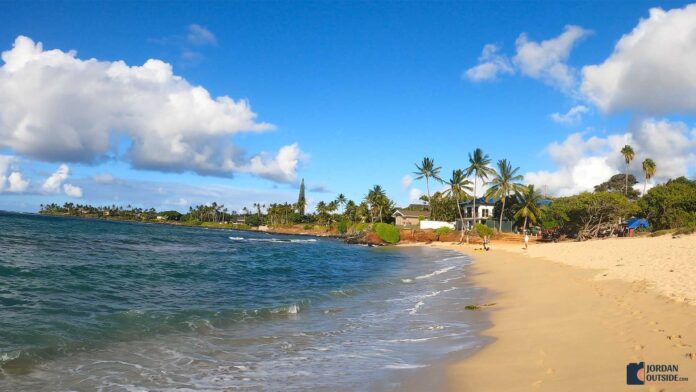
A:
526	240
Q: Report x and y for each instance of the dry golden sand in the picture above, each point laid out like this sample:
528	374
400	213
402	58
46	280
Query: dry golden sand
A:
558	327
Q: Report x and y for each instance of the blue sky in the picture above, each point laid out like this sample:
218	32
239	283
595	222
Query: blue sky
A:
357	92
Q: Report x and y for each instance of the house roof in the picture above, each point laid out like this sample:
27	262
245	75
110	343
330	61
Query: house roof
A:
408	213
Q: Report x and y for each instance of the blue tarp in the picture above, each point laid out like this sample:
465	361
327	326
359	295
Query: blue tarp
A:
635	223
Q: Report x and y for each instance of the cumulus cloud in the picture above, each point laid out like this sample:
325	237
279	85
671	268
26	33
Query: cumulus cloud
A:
652	69
572	117
11	179
490	64
57	107
414	195
583	162
546	60
199	35
72	191
55	182
17	183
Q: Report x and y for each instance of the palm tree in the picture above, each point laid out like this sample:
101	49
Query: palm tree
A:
341	200
458	186
505	182
424	199
478	166
427	170
628	154
321	209
376	198
529	205
649	168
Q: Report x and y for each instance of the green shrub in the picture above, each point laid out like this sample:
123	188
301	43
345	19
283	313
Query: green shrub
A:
308	227
671	205
360	227
443	231
252	220
388	233
483	230
342	227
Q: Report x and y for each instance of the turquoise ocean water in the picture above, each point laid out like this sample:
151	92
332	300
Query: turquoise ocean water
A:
89	305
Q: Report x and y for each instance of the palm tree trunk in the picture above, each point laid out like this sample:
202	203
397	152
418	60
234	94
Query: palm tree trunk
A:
502	210
427	187
524	228
473	212
461	230
626	180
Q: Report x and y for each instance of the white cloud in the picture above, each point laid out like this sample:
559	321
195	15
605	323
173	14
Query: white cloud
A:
199	35
406	181
490	64
572	117
583	162
17	183
55	180
57	107
11	179
281	168
414	195
72	191
546	60
652	69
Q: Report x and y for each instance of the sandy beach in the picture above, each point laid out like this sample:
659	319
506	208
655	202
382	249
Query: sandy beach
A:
571	316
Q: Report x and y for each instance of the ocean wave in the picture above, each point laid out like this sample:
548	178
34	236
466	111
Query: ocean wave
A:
402	366
437	272
414	309
282	240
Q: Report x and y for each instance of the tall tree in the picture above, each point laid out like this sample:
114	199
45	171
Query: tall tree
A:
529	205
628	154
301	201
649	169
458	186
427	170
377	200
479	167
341	200
505	181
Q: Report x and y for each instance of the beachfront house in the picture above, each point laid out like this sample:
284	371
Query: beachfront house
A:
411	215
484	211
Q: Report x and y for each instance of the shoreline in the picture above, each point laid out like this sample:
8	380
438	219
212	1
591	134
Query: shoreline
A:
560	327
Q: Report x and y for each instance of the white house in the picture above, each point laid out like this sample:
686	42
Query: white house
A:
484	211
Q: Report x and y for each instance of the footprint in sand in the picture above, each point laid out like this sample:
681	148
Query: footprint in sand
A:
537	383
550	371
638	347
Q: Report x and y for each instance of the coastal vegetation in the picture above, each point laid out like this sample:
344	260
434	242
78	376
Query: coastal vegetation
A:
387	233
669	206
